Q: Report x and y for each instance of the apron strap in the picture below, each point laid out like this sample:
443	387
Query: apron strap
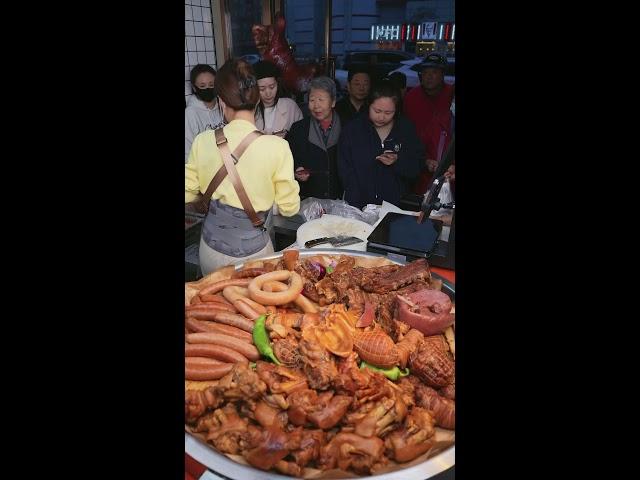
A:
230	160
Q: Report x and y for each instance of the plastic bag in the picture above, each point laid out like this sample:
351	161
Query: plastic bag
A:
445	196
312	208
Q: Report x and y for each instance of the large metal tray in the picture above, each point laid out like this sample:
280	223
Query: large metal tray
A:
227	468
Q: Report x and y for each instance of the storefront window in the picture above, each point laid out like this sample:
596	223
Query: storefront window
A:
243	15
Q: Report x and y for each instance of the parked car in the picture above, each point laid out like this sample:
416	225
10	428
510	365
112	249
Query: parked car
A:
410	68
251	58
379	63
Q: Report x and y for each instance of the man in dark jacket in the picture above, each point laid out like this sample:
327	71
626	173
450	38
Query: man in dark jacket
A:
314	143
379	154
358	86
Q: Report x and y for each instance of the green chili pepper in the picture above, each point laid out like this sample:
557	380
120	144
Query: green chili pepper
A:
261	339
392	374
329	269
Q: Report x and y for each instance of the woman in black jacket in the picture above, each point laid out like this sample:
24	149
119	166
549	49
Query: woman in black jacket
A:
379	154
314	143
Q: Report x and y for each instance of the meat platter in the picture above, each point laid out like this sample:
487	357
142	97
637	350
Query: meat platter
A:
418	426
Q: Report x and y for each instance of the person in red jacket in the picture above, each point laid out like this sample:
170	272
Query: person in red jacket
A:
428	107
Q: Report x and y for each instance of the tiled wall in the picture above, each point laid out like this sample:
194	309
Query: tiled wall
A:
198	38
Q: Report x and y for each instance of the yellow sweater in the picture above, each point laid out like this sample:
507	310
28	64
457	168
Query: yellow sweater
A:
265	168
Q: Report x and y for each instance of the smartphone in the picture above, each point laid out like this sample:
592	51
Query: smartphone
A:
391	146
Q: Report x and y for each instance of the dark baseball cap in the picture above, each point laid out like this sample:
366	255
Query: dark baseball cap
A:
265	69
432	60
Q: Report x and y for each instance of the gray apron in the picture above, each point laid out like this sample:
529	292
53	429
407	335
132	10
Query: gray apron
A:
228	230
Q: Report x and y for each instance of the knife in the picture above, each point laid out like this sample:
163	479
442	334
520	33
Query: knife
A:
338	241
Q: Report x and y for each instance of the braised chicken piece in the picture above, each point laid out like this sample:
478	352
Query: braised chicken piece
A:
331	412
377	388
324	410
205	422
377	417
241	383
344	265
270	445
414	438
287	350
288	468
433	363
319	365
277	401
408	345
310	273
310	445
443	409
407	392
247	407
269	416
280	379
197	402
326	291
301	402
227	431
350	378
351	451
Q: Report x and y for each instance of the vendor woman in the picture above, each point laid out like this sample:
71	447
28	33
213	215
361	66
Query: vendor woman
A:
265	170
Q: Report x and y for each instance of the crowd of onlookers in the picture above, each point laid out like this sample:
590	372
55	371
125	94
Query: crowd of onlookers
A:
333	160
378	143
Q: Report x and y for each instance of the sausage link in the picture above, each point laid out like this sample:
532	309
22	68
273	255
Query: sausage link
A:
218	352
234	320
203	326
218	286
245	309
276	298
259	309
213	372
248	272
201	362
215	298
246	349
211	306
233	293
301	301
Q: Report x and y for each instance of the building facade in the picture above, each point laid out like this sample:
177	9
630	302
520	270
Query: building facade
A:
371	24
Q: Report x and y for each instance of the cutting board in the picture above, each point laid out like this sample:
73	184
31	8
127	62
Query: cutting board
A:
331	226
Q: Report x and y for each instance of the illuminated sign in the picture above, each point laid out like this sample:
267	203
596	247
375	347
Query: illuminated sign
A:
447	31
404	32
428	31
413	32
385	32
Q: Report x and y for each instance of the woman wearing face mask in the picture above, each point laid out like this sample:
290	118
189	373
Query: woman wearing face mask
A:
379	154
203	111
265	170
275	114
314	143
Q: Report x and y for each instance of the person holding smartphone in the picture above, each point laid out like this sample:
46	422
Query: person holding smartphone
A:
379	154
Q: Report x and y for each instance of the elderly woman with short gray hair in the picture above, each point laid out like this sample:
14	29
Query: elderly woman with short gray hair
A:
314	143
